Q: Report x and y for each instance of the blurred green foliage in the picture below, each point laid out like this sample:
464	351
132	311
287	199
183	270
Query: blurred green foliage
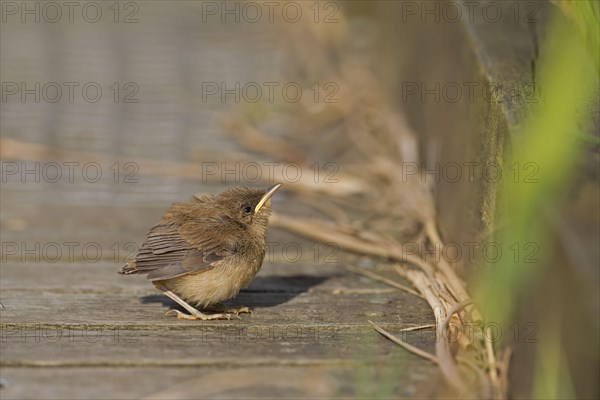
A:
568	75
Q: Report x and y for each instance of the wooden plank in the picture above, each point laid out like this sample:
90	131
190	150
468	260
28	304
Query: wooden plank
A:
297	325
47	222
67	314
284	382
278	276
148	308
225	344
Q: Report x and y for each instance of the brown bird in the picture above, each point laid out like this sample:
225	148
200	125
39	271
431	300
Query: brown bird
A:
205	251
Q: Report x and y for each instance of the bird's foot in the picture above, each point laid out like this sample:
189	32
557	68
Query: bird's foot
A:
199	316
230	310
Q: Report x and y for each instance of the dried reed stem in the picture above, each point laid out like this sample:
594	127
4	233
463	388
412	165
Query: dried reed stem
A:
409	347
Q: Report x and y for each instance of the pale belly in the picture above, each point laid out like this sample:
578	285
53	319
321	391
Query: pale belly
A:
214	285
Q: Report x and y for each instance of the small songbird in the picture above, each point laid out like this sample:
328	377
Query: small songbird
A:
205	251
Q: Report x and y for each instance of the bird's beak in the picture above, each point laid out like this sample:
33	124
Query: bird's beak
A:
266	197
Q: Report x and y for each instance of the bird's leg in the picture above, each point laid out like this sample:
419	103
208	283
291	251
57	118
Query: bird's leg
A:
194	314
220	307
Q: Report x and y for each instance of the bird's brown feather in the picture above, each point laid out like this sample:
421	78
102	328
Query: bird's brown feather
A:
184	242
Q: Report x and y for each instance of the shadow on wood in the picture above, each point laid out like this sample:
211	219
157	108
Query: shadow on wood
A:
268	291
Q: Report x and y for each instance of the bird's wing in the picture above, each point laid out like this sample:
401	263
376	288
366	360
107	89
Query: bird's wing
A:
169	250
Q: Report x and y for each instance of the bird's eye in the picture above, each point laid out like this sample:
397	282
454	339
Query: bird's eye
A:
248	210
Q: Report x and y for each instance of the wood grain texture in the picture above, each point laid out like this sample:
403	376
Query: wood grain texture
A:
71	327
66	322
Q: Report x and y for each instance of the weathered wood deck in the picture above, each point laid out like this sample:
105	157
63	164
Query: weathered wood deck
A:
71	327
79	330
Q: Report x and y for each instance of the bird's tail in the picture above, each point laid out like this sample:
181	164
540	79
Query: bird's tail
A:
129	268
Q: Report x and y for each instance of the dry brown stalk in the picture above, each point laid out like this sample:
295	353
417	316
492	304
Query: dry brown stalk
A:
382	279
407	346
325	232
418	327
455	284
431	284
493	367
447	364
256	141
12	149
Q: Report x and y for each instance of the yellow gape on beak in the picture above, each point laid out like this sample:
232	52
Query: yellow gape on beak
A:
266	197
